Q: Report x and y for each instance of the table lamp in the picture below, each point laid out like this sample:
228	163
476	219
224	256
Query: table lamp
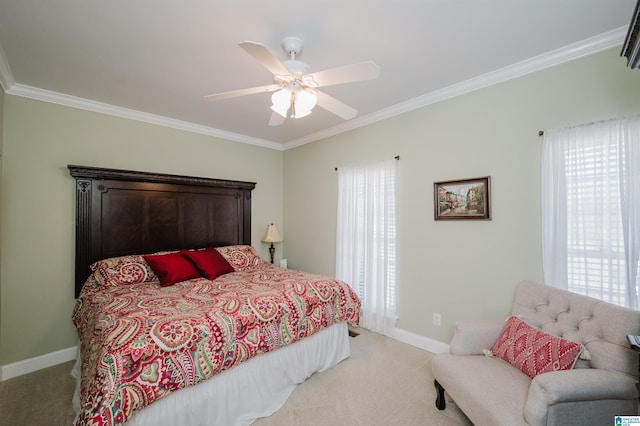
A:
272	235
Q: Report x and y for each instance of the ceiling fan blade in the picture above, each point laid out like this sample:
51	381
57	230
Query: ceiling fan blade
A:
276	119
241	92
263	55
335	106
367	70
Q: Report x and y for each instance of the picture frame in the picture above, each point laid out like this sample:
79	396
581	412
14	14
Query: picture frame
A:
462	199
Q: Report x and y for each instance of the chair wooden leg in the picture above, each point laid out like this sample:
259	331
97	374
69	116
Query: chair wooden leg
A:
440	403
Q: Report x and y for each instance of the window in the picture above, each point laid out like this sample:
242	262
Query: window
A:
366	239
591	210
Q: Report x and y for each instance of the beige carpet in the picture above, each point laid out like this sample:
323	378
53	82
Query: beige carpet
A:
384	382
40	398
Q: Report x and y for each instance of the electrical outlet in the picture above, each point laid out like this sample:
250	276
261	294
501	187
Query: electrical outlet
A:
437	319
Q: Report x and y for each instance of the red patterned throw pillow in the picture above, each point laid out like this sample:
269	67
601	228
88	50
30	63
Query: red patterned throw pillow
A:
240	257
123	270
209	262
172	268
534	351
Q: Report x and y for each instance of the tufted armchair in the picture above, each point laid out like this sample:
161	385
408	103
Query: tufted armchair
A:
490	391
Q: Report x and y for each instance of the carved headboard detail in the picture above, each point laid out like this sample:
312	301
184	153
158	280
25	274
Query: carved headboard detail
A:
120	212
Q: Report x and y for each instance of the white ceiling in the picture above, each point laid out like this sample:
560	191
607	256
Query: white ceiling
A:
153	60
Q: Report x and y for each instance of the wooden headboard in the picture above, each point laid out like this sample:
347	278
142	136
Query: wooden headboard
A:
120	212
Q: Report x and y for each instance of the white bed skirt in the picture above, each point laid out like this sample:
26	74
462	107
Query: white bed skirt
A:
256	388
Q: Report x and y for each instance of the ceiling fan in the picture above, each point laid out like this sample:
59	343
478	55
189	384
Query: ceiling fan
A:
295	90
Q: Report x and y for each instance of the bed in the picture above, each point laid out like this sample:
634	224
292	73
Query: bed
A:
162	344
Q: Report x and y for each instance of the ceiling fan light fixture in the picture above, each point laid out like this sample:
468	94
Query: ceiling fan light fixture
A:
281	101
295	90
305	102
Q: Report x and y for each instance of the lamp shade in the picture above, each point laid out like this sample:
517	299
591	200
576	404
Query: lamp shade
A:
271	234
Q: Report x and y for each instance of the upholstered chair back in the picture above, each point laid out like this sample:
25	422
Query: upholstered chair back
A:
601	327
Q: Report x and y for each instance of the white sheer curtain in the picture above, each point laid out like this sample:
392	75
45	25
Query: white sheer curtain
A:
591	209
366	239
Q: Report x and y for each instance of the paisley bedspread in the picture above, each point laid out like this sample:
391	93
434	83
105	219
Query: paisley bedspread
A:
140	342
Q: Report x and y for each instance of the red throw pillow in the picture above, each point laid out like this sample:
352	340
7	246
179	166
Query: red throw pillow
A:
172	268
209	262
533	351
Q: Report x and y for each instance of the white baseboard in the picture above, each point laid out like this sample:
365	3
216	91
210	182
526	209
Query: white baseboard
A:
30	365
421	342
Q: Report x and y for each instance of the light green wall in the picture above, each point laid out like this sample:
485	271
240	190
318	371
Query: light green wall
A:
1	161
38	199
458	269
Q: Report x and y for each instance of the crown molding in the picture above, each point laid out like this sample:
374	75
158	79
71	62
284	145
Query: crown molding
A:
103	108
556	57
559	56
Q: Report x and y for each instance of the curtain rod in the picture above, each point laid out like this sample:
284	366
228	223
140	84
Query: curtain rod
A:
397	157
633	116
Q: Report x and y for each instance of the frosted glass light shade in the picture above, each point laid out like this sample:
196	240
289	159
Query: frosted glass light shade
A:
281	101
304	103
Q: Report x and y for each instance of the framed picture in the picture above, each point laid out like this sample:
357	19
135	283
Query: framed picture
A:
463	199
